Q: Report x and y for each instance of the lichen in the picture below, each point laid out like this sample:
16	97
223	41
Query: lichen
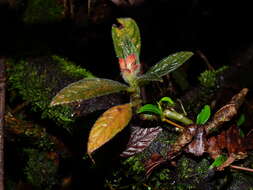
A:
37	80
43	11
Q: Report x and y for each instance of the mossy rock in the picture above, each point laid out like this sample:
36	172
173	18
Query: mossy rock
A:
37	80
43	11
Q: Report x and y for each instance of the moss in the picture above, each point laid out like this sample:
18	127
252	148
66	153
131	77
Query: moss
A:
209	78
240	180
132	174
191	174
37	80
41	169
135	165
43	11
71	68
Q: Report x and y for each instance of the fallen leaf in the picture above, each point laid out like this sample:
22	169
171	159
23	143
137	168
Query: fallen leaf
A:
108	125
140	139
197	146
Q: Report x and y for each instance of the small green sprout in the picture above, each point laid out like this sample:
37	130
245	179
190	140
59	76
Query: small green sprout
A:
240	122
218	161
204	115
166	112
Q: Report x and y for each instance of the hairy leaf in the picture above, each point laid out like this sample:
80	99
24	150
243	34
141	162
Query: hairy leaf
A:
86	89
108	125
140	139
150	108
170	63
146	78
218	161
204	115
128	30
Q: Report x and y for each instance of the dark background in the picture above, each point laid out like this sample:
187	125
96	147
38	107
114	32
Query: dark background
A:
220	29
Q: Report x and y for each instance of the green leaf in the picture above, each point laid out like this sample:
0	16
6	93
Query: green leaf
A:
168	100
128	30
241	120
170	63
150	108
241	133
218	161
204	115
86	89
146	78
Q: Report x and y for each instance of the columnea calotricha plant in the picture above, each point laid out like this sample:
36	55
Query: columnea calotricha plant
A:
127	45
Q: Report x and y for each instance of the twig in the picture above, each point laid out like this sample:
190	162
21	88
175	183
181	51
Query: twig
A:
241	168
2	109
202	56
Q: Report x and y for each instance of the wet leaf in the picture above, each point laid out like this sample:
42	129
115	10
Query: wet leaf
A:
150	108
204	115
218	161
140	139
170	63
108	125
86	89
128	30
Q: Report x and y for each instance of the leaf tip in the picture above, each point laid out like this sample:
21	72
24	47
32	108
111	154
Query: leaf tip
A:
89	154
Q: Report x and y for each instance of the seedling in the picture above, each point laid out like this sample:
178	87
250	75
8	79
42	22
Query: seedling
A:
166	112
126	39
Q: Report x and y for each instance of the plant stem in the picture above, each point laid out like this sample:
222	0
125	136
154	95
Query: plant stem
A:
177	116
241	168
173	123
135	98
2	109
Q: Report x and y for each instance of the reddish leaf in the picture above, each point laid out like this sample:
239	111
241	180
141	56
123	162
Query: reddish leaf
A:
140	139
